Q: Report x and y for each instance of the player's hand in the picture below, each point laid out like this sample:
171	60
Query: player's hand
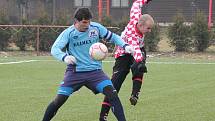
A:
129	49
69	59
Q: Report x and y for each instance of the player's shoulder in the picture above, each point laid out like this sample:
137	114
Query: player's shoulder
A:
96	24
70	29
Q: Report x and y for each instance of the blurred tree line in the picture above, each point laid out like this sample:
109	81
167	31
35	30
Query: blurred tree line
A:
25	37
196	35
181	36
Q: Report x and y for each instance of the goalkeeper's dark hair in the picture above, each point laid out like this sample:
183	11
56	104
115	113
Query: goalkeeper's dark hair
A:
82	14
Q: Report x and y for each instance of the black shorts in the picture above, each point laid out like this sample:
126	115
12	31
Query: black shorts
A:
123	63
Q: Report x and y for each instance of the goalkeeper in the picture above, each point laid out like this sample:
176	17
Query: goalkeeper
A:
82	70
133	34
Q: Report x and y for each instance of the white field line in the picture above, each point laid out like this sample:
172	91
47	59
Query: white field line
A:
174	63
24	61
16	62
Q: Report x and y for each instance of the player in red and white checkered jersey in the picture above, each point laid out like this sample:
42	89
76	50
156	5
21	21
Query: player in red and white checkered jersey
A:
133	34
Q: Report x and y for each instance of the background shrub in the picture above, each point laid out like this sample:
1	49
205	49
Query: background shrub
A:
25	37
179	34
5	34
200	32
47	35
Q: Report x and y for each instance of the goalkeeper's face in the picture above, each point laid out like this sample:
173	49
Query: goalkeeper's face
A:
146	27
82	25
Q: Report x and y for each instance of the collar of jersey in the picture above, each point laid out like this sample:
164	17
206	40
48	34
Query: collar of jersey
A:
138	32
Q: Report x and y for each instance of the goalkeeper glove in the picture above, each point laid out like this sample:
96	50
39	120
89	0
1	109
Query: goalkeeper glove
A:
69	59
128	49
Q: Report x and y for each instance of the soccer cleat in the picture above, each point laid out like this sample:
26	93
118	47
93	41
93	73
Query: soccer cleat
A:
133	99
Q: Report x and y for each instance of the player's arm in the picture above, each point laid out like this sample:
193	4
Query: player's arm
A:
132	40
114	38
110	36
59	44
135	11
135	14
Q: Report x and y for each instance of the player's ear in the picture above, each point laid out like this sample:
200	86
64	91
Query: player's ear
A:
139	25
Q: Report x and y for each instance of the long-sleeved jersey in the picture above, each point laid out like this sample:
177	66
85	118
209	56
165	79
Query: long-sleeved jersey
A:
131	35
78	43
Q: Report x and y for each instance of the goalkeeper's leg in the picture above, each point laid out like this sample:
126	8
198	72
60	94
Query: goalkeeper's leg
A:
138	70
137	84
54	106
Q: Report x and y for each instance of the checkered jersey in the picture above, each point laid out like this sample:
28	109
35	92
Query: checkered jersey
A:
131	35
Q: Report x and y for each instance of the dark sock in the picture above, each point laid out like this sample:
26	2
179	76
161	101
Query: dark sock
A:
116	106
136	87
104	111
50	112
117	109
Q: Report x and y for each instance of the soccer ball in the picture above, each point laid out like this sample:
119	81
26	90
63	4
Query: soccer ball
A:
98	51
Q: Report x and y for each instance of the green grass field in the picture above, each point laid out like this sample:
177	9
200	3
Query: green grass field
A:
175	89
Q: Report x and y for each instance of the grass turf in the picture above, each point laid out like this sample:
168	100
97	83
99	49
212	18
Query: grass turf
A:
171	92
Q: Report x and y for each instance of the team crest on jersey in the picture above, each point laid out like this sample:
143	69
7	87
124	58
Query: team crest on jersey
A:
93	33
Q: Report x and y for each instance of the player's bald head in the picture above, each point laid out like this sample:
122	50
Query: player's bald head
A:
146	18
145	23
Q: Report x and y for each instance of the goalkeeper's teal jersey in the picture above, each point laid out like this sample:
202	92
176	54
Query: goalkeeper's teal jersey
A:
78	43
